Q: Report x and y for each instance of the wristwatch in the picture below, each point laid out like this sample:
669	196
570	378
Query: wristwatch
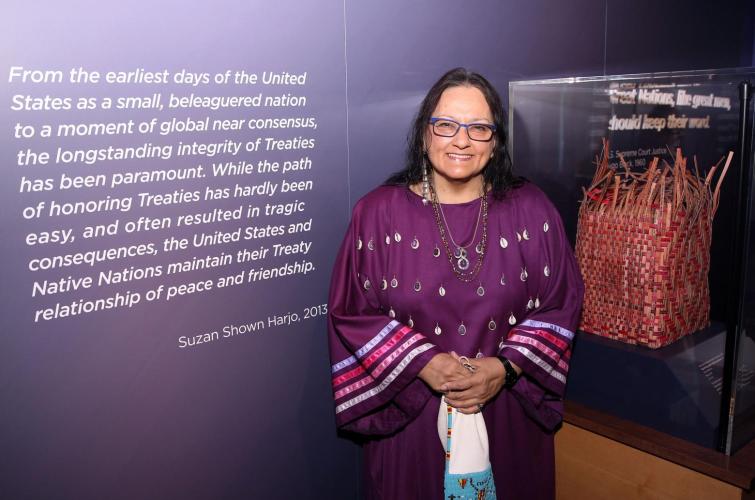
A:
511	376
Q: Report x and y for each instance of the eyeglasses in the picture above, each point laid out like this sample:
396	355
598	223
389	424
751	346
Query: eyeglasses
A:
445	127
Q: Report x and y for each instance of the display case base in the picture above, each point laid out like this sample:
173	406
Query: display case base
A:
674	389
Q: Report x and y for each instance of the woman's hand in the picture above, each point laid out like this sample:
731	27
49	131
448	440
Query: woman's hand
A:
441	370
469	394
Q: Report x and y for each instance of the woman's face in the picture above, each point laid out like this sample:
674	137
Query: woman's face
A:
458	158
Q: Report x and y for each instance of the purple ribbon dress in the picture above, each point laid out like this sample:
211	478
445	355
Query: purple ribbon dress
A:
395	302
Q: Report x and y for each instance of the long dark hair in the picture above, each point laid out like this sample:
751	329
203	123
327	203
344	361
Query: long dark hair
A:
497	173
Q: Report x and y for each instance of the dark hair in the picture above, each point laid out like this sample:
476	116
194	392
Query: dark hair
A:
497	173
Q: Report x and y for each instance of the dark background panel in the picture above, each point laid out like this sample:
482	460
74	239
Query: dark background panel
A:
397	50
645	36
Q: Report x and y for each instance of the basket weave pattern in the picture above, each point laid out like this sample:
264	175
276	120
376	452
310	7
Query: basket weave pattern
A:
643	246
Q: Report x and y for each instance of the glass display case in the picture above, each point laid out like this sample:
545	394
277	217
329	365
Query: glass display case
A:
702	387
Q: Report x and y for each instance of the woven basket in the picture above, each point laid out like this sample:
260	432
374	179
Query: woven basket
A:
643	246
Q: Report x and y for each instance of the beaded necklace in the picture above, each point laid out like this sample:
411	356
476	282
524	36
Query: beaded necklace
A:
458	258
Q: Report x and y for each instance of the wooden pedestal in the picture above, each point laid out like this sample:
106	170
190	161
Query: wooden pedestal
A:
602	457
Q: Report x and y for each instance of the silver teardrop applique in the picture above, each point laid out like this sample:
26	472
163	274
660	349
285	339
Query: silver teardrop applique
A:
371	244
384	284
392	313
462	329
410	323
503	242
478	248
525	235
480	290
415	243
394	282
523	275
530	304
367	284
547	271
491	325
512	320
503	280
436	251
359	243
479	354
441	291
537	302
387	240
518	236
437	330
545	227
397	237
417	286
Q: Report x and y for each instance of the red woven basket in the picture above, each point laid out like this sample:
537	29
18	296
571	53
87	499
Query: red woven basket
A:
643	246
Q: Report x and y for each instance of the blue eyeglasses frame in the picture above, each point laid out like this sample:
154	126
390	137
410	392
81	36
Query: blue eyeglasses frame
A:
492	127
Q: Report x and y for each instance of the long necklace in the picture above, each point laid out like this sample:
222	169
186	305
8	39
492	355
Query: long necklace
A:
460	251
459	257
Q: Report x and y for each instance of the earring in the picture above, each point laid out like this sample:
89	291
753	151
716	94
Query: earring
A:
425	183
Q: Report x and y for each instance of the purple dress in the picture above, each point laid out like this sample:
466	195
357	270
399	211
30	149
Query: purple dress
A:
394	305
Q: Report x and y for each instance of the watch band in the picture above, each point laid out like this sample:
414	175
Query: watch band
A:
511	376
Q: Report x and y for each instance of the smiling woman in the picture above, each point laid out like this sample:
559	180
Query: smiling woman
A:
454	260
458	157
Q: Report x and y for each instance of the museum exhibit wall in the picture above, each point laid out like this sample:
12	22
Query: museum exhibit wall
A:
177	178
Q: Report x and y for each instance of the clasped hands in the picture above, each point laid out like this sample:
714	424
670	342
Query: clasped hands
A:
465	390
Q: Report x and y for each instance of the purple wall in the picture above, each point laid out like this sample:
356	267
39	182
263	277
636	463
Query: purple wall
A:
107	404
507	41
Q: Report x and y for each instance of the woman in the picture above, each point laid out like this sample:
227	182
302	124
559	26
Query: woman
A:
454	256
